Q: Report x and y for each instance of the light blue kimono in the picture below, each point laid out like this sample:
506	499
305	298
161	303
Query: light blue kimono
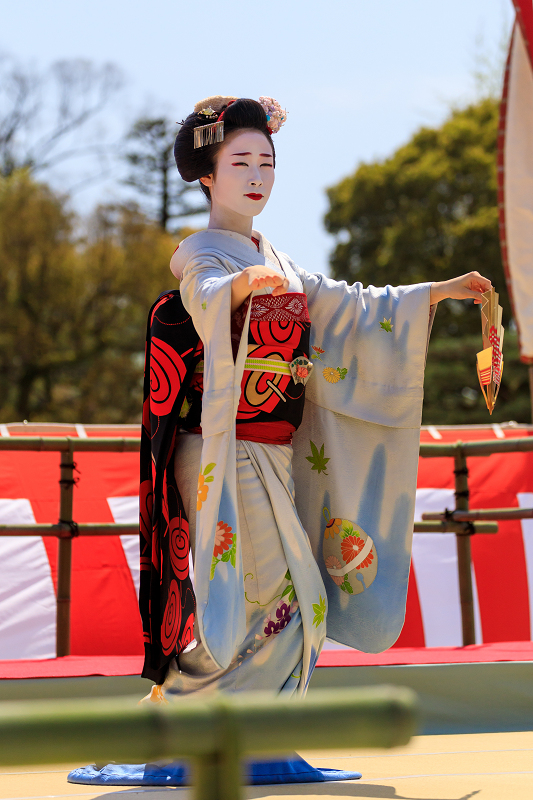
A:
342	510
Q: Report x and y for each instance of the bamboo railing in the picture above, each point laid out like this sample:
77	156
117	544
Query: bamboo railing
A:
461	520
215	733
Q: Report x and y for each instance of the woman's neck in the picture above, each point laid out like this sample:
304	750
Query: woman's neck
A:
227	220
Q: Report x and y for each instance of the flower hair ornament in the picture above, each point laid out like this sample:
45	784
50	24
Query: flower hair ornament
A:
213	109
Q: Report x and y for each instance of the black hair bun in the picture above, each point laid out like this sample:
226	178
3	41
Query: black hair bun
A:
240	114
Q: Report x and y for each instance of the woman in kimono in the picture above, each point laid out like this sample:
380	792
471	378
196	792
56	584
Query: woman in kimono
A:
299	518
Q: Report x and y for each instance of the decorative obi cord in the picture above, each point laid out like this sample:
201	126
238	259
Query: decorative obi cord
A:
275	372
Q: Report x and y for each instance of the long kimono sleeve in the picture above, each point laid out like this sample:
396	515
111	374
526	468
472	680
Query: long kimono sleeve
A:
377	338
221	616
356	452
206	293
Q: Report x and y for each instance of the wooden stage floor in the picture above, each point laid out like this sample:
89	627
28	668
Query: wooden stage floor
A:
487	766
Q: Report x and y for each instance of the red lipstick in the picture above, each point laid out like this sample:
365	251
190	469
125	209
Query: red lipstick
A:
253	196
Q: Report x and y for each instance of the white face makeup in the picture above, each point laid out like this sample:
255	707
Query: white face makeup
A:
244	175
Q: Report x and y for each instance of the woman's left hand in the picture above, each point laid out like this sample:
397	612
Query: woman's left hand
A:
472	285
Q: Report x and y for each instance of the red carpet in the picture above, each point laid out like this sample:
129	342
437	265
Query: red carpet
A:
473	654
84	666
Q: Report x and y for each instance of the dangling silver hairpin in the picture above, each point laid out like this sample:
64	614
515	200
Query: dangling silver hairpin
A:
209	134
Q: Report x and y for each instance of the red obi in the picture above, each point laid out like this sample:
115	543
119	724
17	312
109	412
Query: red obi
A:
276	368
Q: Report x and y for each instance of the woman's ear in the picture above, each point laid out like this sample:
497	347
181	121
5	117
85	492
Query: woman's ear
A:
207	180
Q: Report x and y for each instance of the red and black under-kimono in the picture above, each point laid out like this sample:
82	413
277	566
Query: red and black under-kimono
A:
269	411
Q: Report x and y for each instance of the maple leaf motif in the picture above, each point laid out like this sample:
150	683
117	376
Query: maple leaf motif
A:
317	459
387	325
319	610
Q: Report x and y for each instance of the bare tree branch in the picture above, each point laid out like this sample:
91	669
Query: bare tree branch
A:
76	90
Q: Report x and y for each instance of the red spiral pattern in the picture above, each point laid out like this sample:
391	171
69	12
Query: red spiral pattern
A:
179	546
167	372
171	619
188	633
275	334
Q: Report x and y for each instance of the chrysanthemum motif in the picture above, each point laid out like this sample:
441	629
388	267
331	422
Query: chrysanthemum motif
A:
334	563
351	546
223	539
367	561
331	375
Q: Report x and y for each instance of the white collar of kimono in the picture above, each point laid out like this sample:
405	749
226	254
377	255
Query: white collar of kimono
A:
244	239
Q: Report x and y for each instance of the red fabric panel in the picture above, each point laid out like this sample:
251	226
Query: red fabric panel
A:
499	561
412	634
104	611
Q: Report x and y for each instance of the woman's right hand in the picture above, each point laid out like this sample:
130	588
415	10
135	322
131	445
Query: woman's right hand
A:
260	276
253	278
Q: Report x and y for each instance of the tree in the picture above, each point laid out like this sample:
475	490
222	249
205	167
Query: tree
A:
43	116
429	212
73	311
153	171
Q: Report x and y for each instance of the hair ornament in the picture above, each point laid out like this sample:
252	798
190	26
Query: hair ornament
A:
275	114
214	131
208	134
216	106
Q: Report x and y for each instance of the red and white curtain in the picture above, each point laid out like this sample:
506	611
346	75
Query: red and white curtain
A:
105	570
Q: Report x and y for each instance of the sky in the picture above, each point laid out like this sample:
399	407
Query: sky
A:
358	78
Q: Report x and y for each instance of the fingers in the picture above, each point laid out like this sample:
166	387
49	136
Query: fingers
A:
477	282
262	281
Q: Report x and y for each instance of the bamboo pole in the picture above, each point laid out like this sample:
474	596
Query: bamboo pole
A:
530	373
221	728
65	531
520	444
64	553
464	555
458	526
480	514
132	444
65	444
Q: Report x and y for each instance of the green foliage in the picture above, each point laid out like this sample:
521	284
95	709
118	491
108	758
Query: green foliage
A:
429	213
346	586
73	311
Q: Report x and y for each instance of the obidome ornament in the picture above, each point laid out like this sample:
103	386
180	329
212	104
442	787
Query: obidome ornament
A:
301	369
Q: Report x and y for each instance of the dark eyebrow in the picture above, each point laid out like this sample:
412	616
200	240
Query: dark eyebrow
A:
263	155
